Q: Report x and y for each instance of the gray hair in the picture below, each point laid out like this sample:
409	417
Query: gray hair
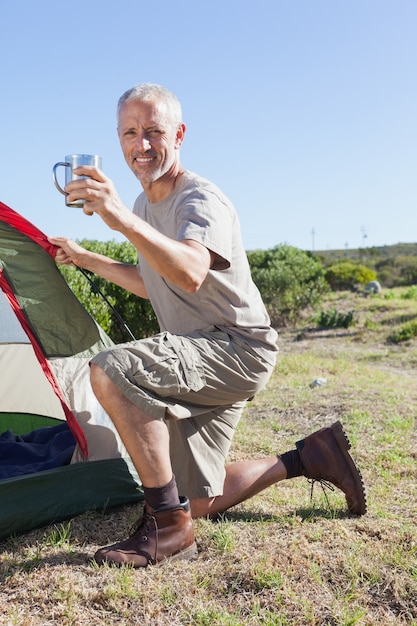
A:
148	92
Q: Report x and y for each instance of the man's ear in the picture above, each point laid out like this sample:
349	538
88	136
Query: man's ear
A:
179	137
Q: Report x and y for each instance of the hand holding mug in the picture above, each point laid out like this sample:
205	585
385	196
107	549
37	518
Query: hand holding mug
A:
71	163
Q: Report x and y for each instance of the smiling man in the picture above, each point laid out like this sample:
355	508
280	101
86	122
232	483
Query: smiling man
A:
177	398
151	134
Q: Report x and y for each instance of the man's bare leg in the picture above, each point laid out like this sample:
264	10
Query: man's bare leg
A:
146	439
166	529
147	443
243	480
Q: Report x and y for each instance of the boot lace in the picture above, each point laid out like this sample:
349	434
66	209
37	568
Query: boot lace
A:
140	533
143	525
324	484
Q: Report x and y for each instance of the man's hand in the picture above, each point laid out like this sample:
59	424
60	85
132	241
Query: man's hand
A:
100	197
123	274
69	252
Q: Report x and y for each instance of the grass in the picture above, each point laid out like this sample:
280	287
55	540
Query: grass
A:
282	558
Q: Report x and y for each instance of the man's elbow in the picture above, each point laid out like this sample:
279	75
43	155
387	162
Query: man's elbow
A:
193	282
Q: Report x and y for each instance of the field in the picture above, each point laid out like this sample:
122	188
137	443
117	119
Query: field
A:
286	557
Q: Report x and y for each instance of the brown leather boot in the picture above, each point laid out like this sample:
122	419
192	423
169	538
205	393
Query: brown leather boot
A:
160	535
325	457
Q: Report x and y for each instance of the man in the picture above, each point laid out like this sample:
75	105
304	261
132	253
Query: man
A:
176	398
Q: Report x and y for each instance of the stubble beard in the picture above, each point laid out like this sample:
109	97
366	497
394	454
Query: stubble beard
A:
153	175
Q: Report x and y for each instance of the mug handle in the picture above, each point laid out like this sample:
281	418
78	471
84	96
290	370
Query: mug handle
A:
57	185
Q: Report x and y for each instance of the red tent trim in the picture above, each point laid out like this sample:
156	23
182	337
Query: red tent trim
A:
22	225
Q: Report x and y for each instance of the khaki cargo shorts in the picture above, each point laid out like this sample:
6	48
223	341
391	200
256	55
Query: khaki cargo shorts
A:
199	385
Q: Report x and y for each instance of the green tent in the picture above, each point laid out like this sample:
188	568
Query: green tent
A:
59	452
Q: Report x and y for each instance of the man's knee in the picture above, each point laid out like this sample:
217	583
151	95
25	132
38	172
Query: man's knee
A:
99	380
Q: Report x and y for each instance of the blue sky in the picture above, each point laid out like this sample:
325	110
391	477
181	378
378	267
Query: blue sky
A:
303	111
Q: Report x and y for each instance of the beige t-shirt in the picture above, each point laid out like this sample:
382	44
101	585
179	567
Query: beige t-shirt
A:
228	298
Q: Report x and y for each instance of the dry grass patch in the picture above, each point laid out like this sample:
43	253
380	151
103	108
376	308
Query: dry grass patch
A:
281	558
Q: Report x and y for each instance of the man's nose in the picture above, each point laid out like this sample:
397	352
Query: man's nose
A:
142	142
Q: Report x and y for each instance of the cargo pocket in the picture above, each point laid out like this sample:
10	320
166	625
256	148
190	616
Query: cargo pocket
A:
190	361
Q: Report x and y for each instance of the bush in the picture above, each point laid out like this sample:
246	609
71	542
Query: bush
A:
334	319
345	275
408	271
136	313
397	271
410	294
289	280
406	332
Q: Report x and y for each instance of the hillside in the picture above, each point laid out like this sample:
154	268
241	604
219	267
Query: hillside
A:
376	252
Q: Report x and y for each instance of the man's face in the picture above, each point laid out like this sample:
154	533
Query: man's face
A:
149	140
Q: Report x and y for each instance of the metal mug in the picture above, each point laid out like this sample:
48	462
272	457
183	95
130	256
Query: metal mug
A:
72	161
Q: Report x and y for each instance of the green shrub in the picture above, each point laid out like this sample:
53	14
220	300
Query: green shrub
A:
408	271
410	294
397	271
334	319
137	313
406	332
346	275
290	280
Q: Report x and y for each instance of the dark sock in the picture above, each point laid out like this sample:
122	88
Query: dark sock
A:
292	462
162	497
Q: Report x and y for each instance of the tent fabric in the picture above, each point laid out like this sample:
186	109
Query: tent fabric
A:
42	498
10	329
49	313
46	341
42	300
55	322
24	387
25	422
